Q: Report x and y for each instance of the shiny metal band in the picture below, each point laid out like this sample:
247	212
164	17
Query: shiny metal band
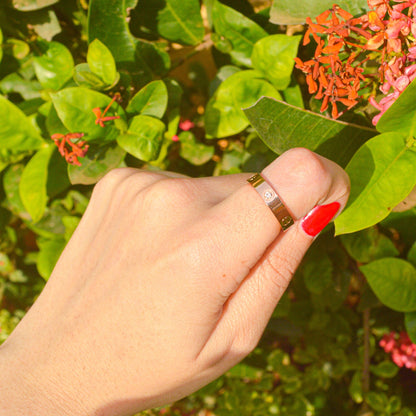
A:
272	200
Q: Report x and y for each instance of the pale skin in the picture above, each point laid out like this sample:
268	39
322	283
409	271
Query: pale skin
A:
165	285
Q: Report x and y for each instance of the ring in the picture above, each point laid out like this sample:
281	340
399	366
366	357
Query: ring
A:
272	200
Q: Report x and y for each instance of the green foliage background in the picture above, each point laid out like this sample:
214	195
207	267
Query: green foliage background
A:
226	67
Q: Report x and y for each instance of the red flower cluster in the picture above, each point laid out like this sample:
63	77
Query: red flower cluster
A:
69	150
333	77
401	348
385	35
72	151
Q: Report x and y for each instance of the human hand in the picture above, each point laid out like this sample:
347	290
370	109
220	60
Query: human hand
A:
165	285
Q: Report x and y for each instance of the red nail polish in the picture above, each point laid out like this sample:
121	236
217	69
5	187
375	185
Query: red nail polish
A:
314	222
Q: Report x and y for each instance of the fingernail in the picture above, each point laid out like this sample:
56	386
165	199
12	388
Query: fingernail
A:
317	219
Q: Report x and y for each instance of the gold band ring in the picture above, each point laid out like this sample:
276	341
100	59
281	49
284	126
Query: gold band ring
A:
270	197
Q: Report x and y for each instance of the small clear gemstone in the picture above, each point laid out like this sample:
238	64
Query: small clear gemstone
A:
268	195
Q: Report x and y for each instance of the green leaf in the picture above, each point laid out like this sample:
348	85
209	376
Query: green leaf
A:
377	401
393	281
143	138
368	245
274	57
55	66
97	162
110	25
16	131
181	21
282	126
58	180
102	63
385	369
85	78
151	100
1	44
288	12
11	180
410	323
194	152
395	403
382	173
317	273
75	109
155	57
401	116
411	255
355	388
49	253
33	183
14	83
224	115
20	49
29	5
239	30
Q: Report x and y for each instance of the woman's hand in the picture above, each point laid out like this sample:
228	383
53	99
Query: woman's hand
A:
166	284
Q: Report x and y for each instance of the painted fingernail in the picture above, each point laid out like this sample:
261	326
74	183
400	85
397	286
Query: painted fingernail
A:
317	219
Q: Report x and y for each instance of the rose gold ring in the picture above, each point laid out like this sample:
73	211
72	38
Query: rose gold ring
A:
272	200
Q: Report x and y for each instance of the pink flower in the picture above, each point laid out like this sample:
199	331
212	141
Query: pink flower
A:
175	138
403	351
186	125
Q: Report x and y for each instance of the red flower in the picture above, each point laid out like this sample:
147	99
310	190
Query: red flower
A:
68	149
100	116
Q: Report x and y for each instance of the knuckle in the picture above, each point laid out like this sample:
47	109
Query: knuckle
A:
172	192
309	165
111	180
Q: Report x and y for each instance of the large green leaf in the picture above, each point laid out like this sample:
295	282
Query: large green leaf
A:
224	114
33	183
101	62
29	5
410	322
97	162
401	116
382	173
289	12
55	66
16	131
151	100
283	126
180	21
108	22
239	30
393	281
74	107
274	57
143	138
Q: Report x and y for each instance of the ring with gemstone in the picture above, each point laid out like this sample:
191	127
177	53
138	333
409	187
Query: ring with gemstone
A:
270	197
